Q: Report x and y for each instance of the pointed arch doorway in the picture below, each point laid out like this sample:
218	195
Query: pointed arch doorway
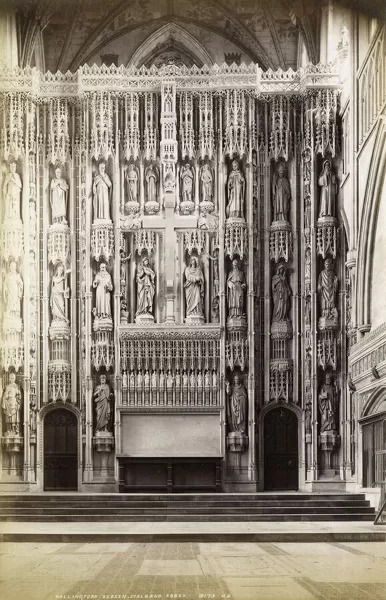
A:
281	450
60	450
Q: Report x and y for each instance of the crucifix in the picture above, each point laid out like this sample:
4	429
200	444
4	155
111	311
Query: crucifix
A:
170	224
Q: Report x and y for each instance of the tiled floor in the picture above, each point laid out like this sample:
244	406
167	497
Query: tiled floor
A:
193	571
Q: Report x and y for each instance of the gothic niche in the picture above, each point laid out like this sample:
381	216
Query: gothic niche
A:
327	292
235	226
102	312
207	219
281	237
152	205
328	404
145	280
194	287
103	440
327	224
237	415
12	227
187	183
59	232
12	422
102	232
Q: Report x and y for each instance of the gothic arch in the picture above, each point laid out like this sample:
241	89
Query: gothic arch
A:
369	225
44	411
300	417
160	40
376	403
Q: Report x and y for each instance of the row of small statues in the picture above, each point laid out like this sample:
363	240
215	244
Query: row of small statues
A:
102	186
159	379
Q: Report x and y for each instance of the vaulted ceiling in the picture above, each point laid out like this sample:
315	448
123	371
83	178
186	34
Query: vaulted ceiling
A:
69	33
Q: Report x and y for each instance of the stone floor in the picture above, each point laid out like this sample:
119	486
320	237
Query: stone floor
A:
193	571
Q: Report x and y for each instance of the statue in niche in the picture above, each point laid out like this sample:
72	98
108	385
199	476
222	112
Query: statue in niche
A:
145	288
151	182
194	289
58	198
154	380
281	194
326	182
59	294
102	399
207	381
11	191
206	183
123	260
132	183
236	192
237	406
308	418
307	265
11	405
192	379
146	379
236	286
124	317
307	365
187	179
104	285
12	292
327	404
101	193
281	294
327	289
178	379
125	381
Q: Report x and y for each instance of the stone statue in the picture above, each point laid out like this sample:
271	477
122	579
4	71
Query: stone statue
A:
102	395
12	292
327	194
237	406
124	318
145	288
194	289
308	418
236	286
206	184
327	404
132	184
281	194
187	179
11	191
122	271
58	197
280	293
327	288
101	193
151	181
59	294
12	406
236	192
104	285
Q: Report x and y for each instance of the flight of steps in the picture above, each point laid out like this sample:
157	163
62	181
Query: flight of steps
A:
185	507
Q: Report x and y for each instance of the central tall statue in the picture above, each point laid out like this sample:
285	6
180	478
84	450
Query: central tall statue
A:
237	406
281	293
281	195
12	291
58	199
236	285
101	192
59	294
236	192
12	190
102	396
12	406
104	285
145	288
194	289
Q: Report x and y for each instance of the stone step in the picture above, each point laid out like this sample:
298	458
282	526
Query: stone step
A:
296	496
236	517
202	510
183	505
